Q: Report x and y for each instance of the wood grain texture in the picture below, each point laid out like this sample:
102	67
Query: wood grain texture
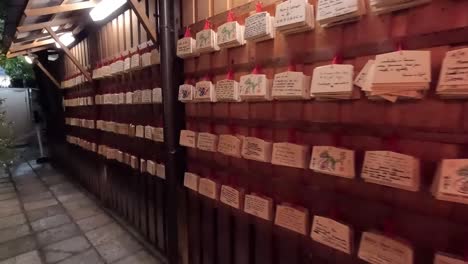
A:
430	129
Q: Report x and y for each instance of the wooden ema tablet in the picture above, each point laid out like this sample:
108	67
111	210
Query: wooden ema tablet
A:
261	207
294	219
451	181
336	12
453	80
121	98
155	57
186	48
387	6
391	169
379	249
207	141
333	161
191	181
363	79
204	92
149	132
127	62
230	145
140	131
333	81
135	60
401	74
255	87
188	138
186	92
259	27
146	96
206	41
158	134
290	155
227	91
232	197
157	96
119	156
137	97
129	98
131	130
208	188
443	258
230	35
332	233
291	85
143	166
151	167
294	16
151	56
256	149
161	171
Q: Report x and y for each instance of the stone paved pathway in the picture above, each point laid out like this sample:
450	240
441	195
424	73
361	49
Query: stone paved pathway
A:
46	219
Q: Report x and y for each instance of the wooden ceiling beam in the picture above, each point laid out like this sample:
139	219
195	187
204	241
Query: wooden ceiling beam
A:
139	9
69	54
53	23
26	52
32	37
59	9
16	48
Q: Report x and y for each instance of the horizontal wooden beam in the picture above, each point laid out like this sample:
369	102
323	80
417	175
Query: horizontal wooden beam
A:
25	52
53	23
69	54
59	9
40	36
16	48
138	8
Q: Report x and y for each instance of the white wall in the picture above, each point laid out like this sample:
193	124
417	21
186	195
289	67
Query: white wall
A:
17	110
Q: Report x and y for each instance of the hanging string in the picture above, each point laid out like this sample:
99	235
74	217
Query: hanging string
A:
257	69
231	16
207	25
187	34
337	59
259	7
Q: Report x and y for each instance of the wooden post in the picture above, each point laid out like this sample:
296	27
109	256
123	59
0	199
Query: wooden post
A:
145	21
69	54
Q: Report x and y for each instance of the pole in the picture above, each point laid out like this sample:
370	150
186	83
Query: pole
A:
171	73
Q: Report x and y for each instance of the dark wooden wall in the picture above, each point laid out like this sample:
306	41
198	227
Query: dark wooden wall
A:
430	129
136	196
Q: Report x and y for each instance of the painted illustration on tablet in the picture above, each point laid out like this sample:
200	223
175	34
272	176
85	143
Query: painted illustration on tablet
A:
461	184
328	162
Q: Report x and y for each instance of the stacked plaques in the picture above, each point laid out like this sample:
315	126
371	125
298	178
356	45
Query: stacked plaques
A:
231	33
294	16
387	6
259	26
336	12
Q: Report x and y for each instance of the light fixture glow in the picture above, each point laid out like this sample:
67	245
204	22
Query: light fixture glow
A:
66	39
105	8
29	59
55	28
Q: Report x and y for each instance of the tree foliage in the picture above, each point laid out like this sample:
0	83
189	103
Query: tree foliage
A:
17	68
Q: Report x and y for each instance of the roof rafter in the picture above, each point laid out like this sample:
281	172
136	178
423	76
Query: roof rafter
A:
36	44
69	54
38	26
59	8
26	52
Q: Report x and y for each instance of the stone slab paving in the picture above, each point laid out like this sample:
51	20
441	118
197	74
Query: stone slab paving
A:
44	219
